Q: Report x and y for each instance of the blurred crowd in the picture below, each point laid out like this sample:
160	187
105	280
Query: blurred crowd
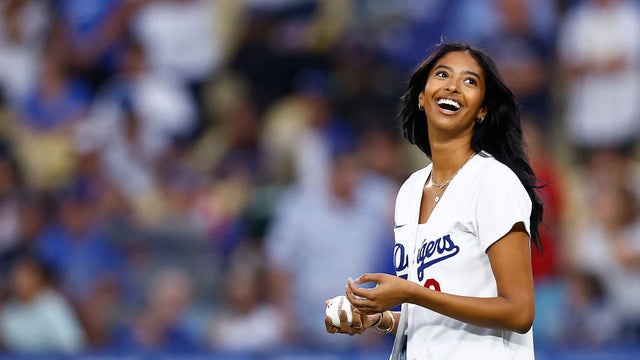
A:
187	176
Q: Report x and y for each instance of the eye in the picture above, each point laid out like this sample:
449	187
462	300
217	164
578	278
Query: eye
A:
471	81
442	74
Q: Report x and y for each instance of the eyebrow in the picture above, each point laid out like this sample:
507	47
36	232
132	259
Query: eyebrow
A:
466	72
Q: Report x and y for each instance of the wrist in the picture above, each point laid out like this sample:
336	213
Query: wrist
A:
382	326
378	320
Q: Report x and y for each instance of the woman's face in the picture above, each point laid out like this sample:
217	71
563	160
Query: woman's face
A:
453	94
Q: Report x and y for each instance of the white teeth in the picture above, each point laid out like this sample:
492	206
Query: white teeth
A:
449	102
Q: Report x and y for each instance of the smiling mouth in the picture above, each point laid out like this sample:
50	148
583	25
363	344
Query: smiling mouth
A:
448	104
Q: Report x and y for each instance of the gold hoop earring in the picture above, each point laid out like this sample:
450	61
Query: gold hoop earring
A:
420	107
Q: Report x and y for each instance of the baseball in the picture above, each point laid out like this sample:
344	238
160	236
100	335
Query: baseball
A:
333	309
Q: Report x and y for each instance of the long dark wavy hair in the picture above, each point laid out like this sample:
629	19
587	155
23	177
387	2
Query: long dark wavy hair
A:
500	134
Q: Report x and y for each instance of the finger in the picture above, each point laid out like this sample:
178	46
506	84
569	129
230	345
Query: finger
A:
329	326
358	292
365	278
355	302
356	324
344	323
359	303
351	286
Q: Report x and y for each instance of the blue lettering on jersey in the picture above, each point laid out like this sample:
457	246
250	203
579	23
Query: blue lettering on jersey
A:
442	249
400	260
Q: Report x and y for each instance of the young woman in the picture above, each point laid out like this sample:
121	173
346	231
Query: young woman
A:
463	224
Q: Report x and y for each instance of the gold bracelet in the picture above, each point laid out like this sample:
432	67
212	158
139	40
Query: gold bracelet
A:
385	331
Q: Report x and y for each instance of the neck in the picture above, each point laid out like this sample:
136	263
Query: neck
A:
448	158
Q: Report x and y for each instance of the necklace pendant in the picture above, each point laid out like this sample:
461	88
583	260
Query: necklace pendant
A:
437	198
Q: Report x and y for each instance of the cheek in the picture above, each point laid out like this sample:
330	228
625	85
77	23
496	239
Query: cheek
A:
427	95
477	99
429	89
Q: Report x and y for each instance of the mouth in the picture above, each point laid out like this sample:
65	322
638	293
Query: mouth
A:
448	105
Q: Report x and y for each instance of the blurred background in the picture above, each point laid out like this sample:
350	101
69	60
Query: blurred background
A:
193	178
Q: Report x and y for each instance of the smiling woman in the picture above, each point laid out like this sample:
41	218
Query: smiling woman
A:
464	223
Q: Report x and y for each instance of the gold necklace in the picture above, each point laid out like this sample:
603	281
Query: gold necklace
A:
443	185
438	194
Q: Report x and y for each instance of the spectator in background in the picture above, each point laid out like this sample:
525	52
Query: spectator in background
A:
178	190
137	116
314	229
465	25
301	130
230	155
10	189
58	99
245	310
92	33
395	27
608	246
37	319
160	327
159	101
587	316
112	136
600	57
324	131
90	170
277	42
182	41
23	28
523	58
92	271
32	217
364	84
45	121
383	154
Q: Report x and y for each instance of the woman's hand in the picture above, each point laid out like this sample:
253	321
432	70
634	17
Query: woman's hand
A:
360	322
389	292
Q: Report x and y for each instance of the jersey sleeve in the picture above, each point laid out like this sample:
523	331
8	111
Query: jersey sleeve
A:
502	202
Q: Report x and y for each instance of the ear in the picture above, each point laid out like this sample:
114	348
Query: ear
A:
421	98
483	112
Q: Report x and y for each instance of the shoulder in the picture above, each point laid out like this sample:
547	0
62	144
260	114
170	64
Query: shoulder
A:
493	171
492	177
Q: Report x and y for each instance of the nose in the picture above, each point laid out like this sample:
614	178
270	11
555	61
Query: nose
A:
451	86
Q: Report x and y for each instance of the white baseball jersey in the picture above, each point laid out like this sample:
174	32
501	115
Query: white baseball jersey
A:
448	253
